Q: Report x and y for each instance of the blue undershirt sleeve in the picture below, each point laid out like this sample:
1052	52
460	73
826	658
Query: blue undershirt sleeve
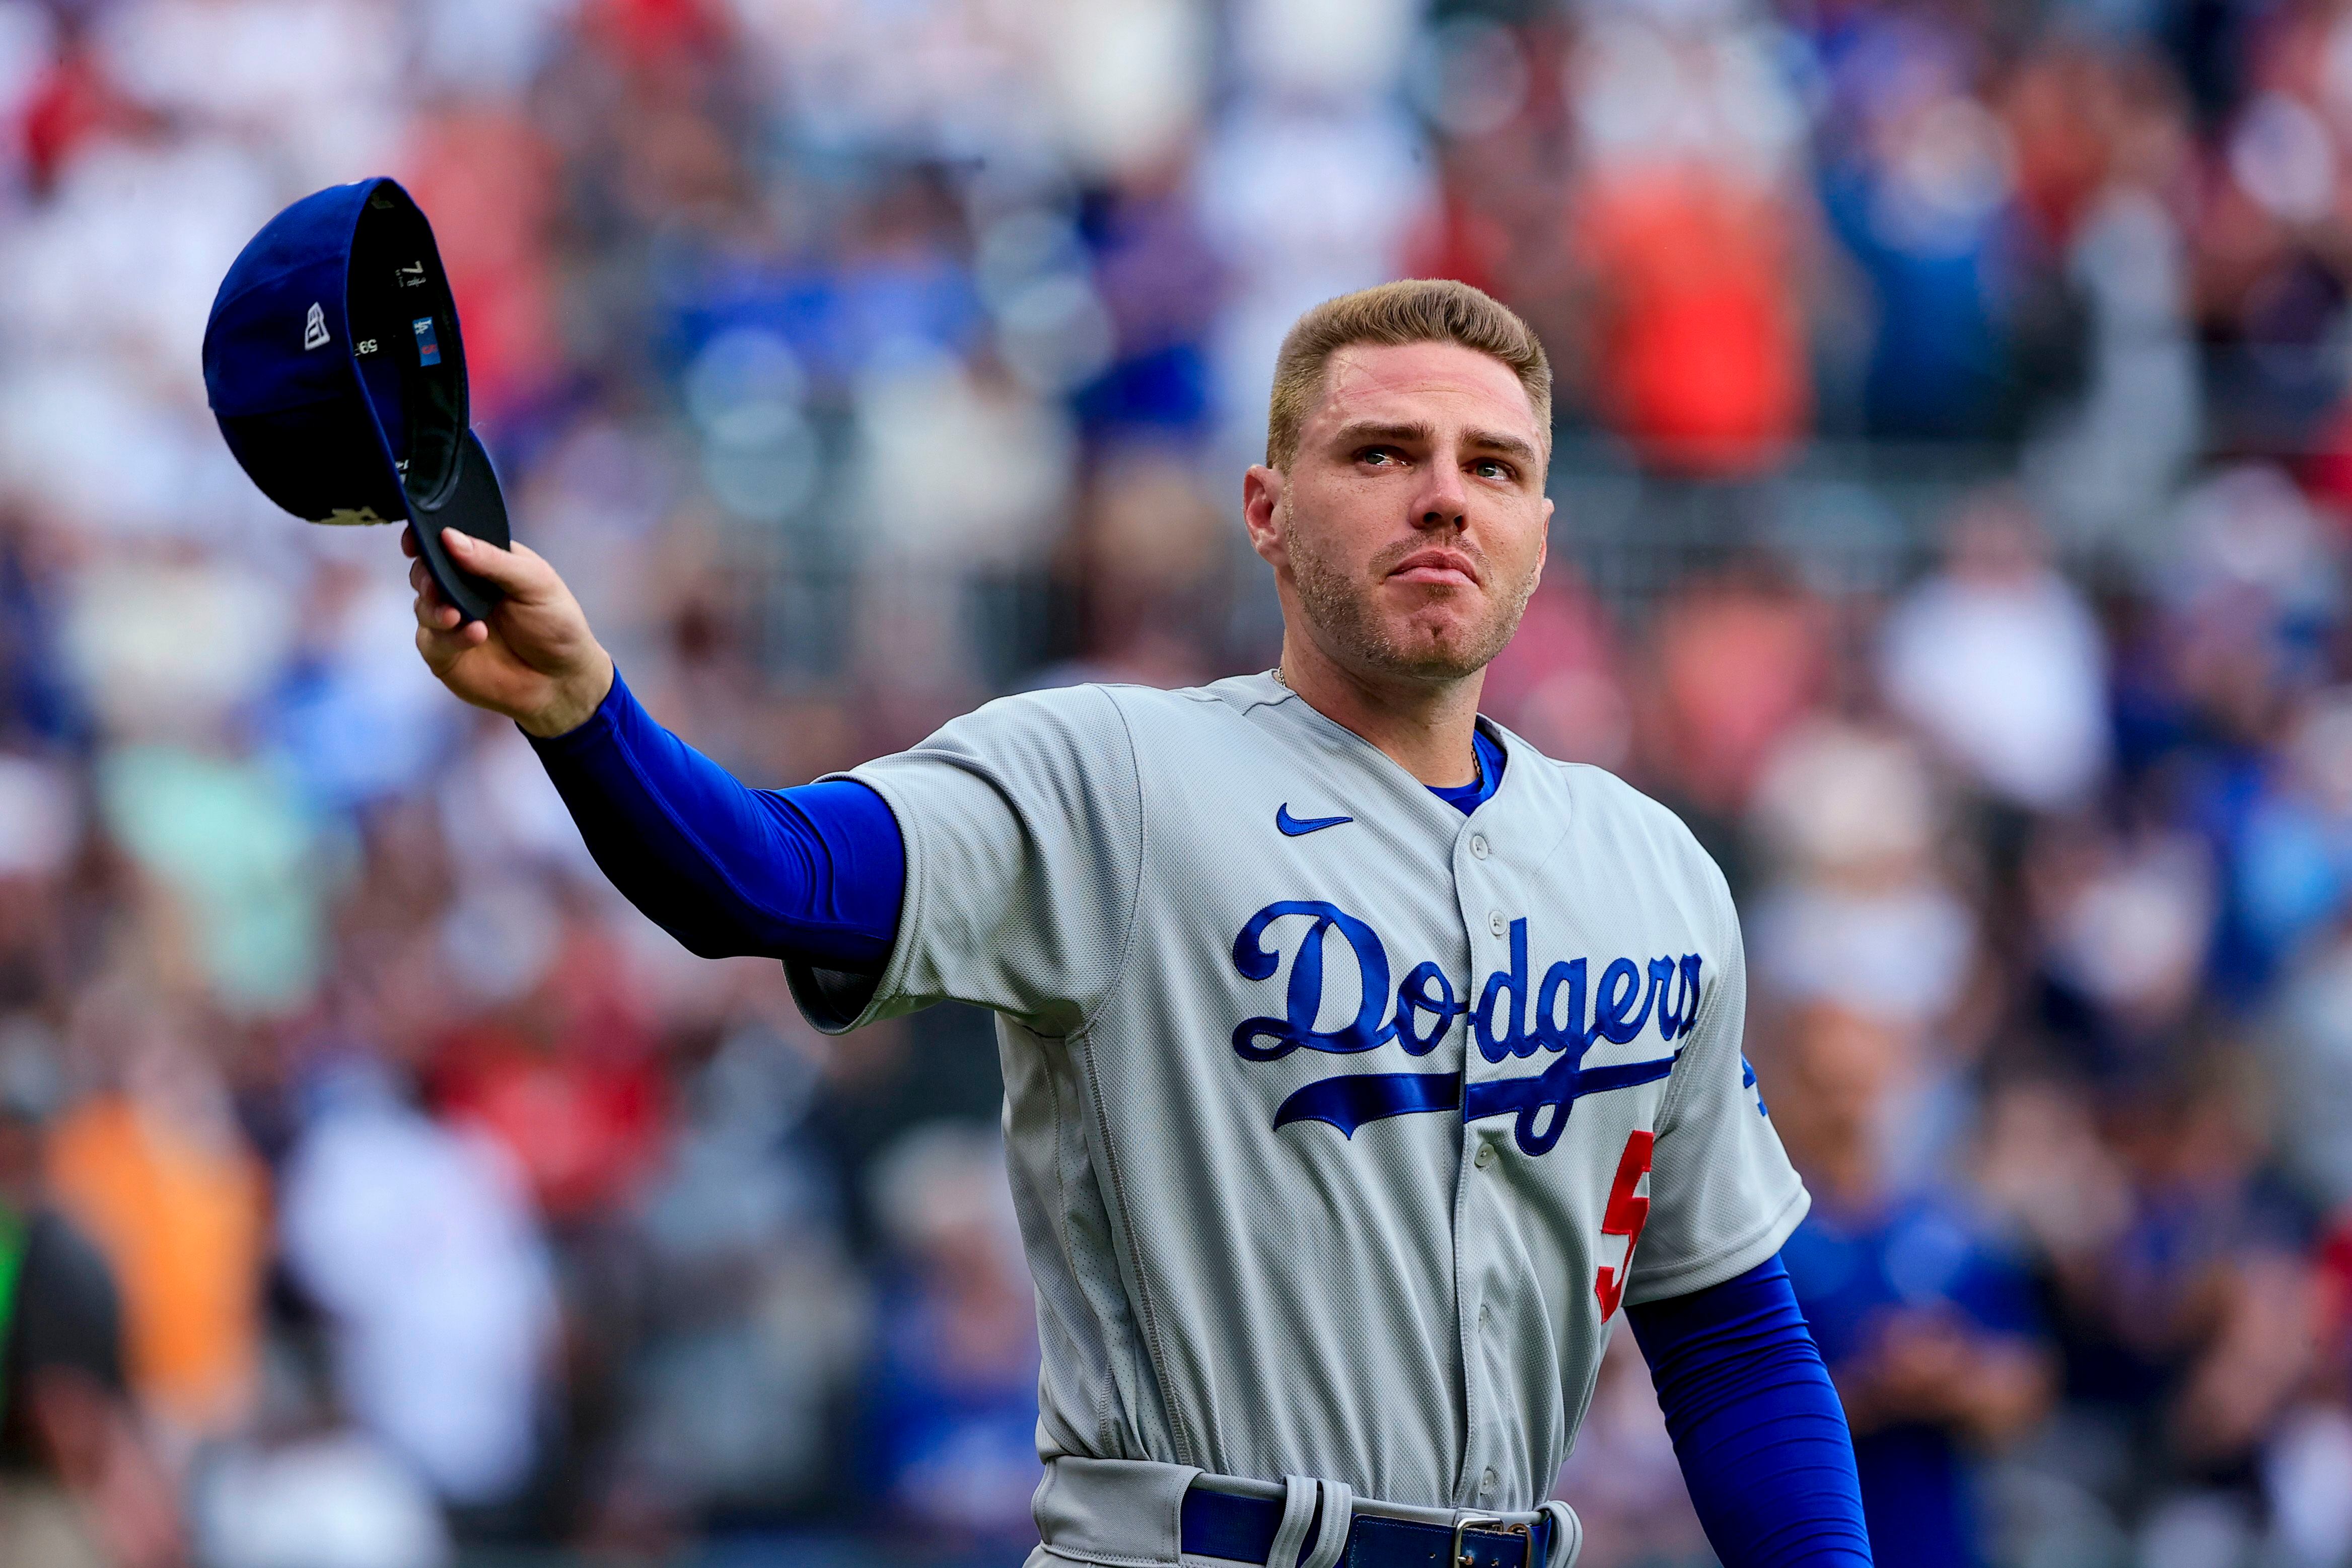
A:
1755	1423
813	874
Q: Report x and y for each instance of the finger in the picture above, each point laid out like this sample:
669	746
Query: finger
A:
433	616
408	541
438	655
441	650
519	571
431	603
442	647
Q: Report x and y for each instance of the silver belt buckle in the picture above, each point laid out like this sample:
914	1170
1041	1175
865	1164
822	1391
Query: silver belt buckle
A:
1494	1525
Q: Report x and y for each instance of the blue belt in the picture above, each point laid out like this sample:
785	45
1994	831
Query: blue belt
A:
1242	1529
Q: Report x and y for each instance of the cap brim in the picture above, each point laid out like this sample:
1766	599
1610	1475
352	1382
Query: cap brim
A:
472	504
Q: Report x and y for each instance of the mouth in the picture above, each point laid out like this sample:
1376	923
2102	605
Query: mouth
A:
1449	568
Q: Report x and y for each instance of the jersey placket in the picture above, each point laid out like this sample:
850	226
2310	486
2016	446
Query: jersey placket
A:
1489	897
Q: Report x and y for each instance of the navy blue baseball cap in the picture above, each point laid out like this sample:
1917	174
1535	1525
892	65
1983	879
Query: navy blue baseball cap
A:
335	368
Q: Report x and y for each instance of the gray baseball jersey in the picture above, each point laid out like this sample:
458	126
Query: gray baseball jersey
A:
1339	1124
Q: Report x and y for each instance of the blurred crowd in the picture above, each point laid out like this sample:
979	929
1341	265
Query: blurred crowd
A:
376	1191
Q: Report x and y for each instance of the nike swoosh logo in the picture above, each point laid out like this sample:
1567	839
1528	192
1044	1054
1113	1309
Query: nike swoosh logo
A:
1293	826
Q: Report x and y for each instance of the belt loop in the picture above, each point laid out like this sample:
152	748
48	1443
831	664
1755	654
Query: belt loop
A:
1297	1512
1338	1514
1566	1534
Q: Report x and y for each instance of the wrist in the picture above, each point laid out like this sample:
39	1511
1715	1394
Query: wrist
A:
575	702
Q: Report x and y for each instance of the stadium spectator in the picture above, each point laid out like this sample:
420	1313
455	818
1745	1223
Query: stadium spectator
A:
951	1402
419	1245
155	1170
1927	1324
80	1486
1997	659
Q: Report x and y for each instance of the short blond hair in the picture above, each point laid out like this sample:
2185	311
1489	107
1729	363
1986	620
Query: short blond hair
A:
1415	311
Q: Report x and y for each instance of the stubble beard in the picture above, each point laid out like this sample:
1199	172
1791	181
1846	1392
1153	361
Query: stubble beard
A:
1342	609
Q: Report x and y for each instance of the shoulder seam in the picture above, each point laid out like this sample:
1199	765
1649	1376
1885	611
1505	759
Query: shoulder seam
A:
1142	847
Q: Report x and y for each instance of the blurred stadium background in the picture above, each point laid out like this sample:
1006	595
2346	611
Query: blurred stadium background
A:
1955	471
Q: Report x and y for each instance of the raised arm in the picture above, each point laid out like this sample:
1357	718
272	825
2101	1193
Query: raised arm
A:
813	874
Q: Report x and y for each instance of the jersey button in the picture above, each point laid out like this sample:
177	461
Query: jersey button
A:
1486	1317
1478	846
1487	1482
1484	1157
1496	923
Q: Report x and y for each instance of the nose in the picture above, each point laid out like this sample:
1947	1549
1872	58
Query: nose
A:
1444	499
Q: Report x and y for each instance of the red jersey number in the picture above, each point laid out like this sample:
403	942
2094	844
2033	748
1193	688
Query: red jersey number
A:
1626	1215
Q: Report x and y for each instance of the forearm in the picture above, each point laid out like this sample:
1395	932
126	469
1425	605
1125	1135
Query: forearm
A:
813	874
1755	1423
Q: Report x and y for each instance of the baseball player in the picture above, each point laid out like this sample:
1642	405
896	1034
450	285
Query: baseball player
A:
1360	1062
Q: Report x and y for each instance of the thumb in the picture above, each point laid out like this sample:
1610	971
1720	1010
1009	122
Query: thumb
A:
521	573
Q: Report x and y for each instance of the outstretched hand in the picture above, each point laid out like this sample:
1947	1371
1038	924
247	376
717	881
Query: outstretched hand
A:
534	659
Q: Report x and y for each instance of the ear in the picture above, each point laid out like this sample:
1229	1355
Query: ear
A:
1262	490
1543	546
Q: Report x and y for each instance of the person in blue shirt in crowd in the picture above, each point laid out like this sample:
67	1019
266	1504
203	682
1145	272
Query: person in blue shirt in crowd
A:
1927	1322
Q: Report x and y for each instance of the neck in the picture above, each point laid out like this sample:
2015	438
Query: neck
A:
1425	726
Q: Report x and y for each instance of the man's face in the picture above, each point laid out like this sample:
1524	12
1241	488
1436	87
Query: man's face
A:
1410	529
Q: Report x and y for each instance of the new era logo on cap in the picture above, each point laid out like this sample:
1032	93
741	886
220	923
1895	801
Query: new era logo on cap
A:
314	328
